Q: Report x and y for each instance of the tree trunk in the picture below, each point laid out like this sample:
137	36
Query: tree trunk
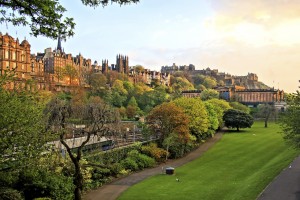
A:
266	123
237	129
78	182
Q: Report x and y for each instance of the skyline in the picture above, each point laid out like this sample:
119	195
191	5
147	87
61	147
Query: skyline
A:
232	36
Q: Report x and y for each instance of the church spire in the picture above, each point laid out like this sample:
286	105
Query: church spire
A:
59	44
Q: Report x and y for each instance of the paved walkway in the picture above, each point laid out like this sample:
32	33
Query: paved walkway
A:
113	190
286	186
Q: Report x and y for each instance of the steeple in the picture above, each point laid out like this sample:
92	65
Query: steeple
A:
59	44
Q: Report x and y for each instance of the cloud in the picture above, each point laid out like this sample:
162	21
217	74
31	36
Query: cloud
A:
256	22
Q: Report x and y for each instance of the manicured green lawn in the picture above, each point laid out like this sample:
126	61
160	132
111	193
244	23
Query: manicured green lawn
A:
238	167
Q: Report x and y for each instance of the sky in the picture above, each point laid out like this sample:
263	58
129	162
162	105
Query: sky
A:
233	36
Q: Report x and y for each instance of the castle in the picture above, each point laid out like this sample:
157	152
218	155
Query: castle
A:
250	81
53	69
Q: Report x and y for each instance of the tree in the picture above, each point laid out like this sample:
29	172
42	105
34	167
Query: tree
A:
167	118
22	134
96	116
45	17
209	94
212	118
71	73
220	106
265	111
239	106
290	121
21	128
237	119
98	84
196	112
209	82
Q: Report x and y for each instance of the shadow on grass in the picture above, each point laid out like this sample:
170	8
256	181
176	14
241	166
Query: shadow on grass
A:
229	131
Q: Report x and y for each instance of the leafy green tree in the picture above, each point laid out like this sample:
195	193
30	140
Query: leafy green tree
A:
220	106
197	114
239	106
209	94
98	84
209	82
237	119
290	121
119	93
212	118
265	111
22	135
198	79
45	17
21	128
180	84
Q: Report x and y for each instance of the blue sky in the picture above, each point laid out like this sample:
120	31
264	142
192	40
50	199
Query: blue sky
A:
234	36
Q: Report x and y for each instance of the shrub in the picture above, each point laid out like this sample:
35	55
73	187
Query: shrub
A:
145	161
129	163
155	152
142	160
116	168
39	183
10	194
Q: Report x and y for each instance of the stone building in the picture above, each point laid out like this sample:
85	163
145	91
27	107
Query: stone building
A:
249	97
15	56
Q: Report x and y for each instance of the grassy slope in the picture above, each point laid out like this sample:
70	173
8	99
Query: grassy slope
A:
238	167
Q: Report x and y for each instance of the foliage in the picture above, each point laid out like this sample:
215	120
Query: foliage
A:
220	106
152	98
21	129
98	84
237	119
212	118
209	82
196	112
10	194
209	94
239	106
112	156
36	183
130	164
45	17
142	160
155	152
167	118
290	120
180	84
265	111
98	118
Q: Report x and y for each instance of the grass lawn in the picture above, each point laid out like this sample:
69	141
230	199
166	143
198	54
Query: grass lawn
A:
238	167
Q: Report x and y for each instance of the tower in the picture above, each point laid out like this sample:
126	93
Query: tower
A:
104	66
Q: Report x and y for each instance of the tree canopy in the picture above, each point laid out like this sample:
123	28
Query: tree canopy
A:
46	17
168	118
290	120
237	119
198	117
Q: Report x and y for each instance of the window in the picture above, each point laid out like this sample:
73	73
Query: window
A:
13	55
6	54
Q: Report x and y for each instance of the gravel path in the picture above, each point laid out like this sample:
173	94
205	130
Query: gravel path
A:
112	190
